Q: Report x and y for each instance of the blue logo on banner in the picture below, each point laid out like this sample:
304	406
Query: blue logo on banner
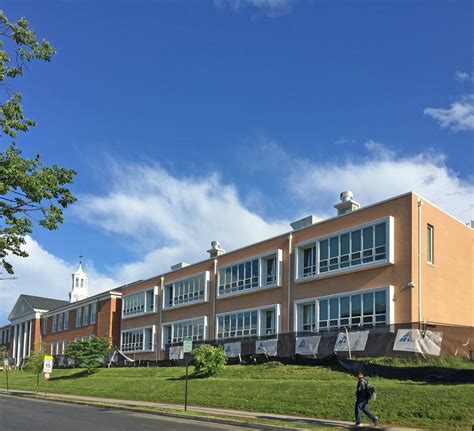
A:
302	344
343	340
407	338
227	349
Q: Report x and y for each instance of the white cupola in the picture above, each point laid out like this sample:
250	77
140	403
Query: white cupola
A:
79	284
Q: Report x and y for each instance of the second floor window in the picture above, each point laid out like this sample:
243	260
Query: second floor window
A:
78	317
86	315
94	312
55	323
138	303
66	320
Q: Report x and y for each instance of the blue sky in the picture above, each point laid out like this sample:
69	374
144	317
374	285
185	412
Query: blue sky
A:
190	121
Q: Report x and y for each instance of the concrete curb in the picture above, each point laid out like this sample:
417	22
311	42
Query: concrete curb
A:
245	424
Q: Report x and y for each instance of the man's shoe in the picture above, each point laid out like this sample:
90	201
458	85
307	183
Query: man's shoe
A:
376	421
359	426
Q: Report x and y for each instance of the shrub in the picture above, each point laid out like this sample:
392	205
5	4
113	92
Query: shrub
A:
209	360
90	353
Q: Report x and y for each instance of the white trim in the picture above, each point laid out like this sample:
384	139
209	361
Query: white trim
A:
207	286
389	260
153	345
278	273
83	302
390	302
278	323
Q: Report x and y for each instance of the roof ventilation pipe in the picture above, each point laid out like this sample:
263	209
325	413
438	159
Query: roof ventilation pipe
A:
347	204
215	250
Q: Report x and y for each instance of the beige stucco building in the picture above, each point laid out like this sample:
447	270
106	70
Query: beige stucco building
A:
398	261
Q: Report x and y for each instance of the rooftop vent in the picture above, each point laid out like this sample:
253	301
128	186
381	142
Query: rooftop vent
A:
215	250
304	222
347	204
179	266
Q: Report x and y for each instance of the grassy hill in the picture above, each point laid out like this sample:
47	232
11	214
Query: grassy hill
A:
309	391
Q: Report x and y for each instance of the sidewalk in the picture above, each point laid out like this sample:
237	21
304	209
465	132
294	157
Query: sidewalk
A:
291	421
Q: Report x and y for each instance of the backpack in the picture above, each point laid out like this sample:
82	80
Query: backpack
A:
370	390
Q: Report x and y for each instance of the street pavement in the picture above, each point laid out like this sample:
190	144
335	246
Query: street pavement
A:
20	414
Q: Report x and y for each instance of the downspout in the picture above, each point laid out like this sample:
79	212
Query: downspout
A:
160	305
290	237
214	301
420	204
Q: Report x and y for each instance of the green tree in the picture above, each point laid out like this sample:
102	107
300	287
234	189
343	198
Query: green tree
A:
209	360
89	354
34	364
30	192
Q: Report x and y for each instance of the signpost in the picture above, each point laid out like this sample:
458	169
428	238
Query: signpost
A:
187	348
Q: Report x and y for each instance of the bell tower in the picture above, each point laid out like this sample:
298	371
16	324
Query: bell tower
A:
79	284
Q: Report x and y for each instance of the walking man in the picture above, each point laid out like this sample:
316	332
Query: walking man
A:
363	395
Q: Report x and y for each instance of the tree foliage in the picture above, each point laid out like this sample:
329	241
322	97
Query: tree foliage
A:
89	354
30	192
209	360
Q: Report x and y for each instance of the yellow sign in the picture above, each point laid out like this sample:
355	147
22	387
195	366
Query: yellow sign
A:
48	364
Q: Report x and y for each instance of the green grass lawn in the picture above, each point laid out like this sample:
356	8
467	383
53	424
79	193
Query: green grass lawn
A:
309	391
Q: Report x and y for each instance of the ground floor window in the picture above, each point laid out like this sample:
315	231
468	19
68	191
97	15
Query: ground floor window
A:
175	332
136	340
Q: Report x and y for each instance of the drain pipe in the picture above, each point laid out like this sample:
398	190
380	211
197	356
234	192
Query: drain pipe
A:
159	334
290	237
420	204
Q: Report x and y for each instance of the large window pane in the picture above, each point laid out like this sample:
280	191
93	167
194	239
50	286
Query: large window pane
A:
380	305
334	308
323	310
344	307
356	305
368	301
380	235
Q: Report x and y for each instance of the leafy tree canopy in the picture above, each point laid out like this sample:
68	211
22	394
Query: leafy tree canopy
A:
209	360
89	354
30	192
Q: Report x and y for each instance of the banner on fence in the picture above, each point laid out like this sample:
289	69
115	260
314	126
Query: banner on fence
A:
266	347
232	350
176	352
307	346
415	340
356	342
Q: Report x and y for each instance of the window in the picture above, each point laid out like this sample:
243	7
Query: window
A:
138	303
241	324
55	323
188	290
82	282
78	317
429	243
60	322
66	320
77	282
175	332
263	271
362	246
248	323
45	325
94	312
137	340
309	317
86	315
361	309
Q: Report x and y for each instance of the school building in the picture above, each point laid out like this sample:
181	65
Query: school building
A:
399	261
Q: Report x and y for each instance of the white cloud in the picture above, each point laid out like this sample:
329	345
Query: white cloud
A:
464	76
43	274
271	8
172	219
459	116
381	175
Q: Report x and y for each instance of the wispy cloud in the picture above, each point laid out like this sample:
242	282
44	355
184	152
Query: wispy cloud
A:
464	76
43	274
271	8
458	117
172	218
382	174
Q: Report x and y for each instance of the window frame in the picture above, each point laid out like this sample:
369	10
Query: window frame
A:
430	244
261	321
172	284
141	329
389	309
316	243
262	259
170	326
145	310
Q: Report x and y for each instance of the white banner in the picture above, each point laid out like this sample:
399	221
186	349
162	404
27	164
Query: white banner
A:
232	350
176	352
357	341
413	340
307	345
266	347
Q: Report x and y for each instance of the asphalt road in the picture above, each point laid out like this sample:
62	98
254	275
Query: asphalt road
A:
21	414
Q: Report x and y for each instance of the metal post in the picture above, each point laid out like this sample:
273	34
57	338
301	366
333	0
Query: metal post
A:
348	342
186	385
6	369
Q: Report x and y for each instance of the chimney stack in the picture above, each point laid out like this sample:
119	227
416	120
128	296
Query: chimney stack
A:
347	204
215	250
